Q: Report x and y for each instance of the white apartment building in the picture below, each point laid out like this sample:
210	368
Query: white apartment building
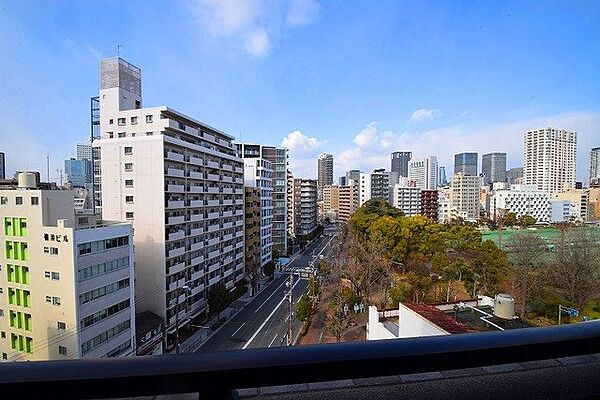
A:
304	197
258	173
550	159
521	200
424	172
67	281
407	199
376	184
560	211
578	203
181	185
464	195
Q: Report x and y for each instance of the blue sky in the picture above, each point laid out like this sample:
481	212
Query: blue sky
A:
356	79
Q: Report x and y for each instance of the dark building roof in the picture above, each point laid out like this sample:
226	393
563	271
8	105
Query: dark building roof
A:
145	322
440	318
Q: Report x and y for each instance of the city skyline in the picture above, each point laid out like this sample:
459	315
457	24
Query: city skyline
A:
251	51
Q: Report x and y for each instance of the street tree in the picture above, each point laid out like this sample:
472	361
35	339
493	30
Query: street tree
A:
218	298
303	309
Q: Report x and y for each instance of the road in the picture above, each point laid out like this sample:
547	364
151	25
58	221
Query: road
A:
263	322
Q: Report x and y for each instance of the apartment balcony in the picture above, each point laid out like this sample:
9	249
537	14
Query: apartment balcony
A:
239	222
212	164
195	175
196	161
227	213
196	203
212	177
239	170
238	180
239	255
179	251
197	289
213	267
174	156
196	261
213	203
214	280
213	215
227	249
176	235
196	246
196	231
212	254
227	179
175	188
180	219
173	269
175	204
239	234
195	217
239	212
239	245
212	241
229	285
196	189
227	202
212	189
228	190
175	172
239	201
228	236
228	167
197	274
239	266
228	273
213	228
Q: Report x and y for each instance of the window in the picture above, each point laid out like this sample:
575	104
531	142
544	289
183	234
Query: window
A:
110	135
134	120
4	356
110	121
53	251
48	299
148	133
128	150
61	326
35	201
56	301
3	200
120	121
62	350
18	200
3	335
129	215
121	134
103	291
55	276
148	119
129	199
47	274
129	183
128	167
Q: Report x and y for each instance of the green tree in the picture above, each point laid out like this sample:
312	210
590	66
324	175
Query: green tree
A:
269	269
526	221
510	219
303	309
218	298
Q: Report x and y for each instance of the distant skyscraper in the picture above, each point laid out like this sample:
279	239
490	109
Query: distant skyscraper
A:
550	157
493	167
514	175
74	170
324	171
354	175
84	151
342	181
2	166
424	172
400	161
442	178
594	166
466	163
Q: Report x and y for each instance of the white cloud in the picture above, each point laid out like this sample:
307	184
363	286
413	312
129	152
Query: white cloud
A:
252	25
423	114
303	153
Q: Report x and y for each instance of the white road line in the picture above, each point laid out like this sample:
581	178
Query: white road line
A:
238	329
271	344
274	291
267	319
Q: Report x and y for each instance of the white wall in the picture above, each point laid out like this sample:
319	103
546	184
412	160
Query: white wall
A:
414	325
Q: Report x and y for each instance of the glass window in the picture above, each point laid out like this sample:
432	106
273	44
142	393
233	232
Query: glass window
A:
35	201
148	119
134	120
18	200
121	121
128	150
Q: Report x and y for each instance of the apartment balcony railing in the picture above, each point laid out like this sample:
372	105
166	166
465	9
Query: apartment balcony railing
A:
217	375
176	235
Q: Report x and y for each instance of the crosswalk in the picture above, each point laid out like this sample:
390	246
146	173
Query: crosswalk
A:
306	272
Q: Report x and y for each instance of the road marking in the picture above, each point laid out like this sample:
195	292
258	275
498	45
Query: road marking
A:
271	344
267	319
238	329
274	291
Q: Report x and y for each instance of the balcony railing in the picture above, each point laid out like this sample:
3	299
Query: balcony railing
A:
216	375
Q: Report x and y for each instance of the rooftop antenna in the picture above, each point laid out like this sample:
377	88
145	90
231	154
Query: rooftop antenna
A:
119	51
47	167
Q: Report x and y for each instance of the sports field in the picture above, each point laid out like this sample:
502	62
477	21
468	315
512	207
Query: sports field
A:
550	234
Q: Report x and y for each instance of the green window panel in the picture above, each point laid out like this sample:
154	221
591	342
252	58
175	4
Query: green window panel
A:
23	227
20	320
10	273
21	343
19	297
17	274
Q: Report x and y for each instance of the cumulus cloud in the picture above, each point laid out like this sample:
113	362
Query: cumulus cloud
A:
423	114
252	25
303	150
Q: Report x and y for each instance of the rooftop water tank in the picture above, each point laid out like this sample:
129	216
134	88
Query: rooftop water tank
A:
504	306
27	180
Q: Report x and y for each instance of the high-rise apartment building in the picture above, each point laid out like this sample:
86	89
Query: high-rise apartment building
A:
521	200
331	202
252	242
465	163
278	157
550	157
424	172
400	161
324	171
67	279
2	166
258	173
595	167
407	199
493	168
376	184
305	211
342	181
429	204
348	201
464	195
181	185
514	176
442	177
353	175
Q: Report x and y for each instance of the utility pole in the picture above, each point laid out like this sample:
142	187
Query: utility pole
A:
290	285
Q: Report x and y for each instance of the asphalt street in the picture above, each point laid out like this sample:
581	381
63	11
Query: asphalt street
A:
263	322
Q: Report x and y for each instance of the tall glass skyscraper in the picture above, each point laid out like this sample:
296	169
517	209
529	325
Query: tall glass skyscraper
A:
466	163
400	161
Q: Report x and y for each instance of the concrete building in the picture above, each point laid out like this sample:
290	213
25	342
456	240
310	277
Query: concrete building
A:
291	212
324	171
466	163
429	204
594	204
252	235
521	200
550	159
377	184
560	211
258	173
278	157
442	177
331	202
514	176
352	175
181	185
68	281
75	173
305	206
407	199
84	151
342	181
424	172
348	201
594	167
464	195
578	203
445	212
400	161
2	166
493	168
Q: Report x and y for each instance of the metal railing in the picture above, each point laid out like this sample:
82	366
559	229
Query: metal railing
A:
216	375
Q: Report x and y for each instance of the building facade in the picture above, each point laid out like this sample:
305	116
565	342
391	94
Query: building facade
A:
2	166
514	176
324	171
68	281
594	167
252	235
348	201
521	200
424	172
407	199
578	200
278	157
181	185
550	159
331	202
305	206
429	204
376	184
464	195
74	172
400	161
493	168
466	163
